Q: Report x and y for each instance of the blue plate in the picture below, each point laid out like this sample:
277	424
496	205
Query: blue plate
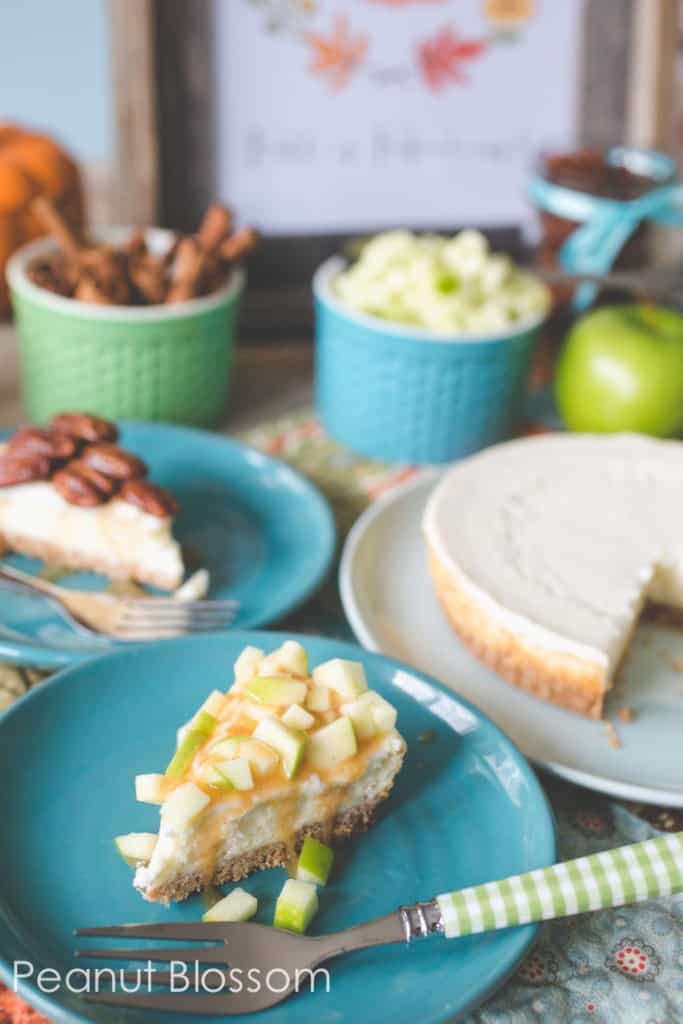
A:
247	518
466	808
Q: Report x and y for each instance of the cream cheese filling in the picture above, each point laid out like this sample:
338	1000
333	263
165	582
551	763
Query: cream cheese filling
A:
116	532
234	825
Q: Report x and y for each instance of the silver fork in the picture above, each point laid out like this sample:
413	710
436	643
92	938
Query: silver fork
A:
610	878
128	618
664	284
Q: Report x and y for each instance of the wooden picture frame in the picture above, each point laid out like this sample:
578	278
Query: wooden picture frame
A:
163	83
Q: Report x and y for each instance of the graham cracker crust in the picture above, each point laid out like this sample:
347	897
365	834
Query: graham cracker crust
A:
69	558
272	855
563	679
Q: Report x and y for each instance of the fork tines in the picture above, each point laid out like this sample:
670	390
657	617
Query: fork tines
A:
190	956
143	616
181	930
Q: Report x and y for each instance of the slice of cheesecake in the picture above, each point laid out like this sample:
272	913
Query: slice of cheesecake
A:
71	496
281	756
544	552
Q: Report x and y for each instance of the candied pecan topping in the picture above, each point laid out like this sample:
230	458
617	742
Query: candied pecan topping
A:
106	485
23	469
89	428
50	443
85	468
151	498
113	461
76	489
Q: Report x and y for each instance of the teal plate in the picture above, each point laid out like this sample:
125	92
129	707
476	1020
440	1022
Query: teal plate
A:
466	808
246	517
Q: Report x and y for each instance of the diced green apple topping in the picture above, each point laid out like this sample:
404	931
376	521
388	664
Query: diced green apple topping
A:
214	704
383	712
291	659
298	717
315	862
238	905
234	773
211	774
288	742
276	690
238	772
231	746
137	847
318	698
346	677
182	733
201	727
257	712
296	905
260	756
151	789
333	743
283	708
184	805
247	665
370	714
360	713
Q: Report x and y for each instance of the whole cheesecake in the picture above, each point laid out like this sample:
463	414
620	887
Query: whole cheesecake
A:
544	552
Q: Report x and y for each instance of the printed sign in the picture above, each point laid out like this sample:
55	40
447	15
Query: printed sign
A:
358	115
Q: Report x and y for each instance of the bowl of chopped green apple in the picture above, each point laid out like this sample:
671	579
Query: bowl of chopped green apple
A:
423	345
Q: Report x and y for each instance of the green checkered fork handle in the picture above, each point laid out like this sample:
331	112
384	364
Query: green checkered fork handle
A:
608	879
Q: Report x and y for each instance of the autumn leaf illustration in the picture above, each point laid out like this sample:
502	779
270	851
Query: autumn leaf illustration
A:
442	58
334	57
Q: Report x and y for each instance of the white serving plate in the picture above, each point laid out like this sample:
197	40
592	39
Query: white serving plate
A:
390	603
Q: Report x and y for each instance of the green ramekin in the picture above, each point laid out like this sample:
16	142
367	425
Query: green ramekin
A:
123	362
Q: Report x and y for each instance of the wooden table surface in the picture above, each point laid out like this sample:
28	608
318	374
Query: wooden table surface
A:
268	381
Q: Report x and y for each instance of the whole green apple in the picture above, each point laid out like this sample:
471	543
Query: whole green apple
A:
622	370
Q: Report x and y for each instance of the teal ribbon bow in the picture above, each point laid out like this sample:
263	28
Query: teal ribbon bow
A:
607	224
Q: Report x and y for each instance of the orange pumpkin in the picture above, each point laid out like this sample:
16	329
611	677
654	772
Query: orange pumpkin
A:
32	164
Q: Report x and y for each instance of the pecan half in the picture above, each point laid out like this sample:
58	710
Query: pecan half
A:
151	498
36	441
106	485
83	425
113	461
75	489
23	469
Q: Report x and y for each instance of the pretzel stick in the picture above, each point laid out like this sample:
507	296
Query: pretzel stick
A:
148	274
99	271
196	265
146	270
215	225
238	245
49	217
136	246
187	270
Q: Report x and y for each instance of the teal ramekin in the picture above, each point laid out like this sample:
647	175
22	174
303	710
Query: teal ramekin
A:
168	363
399	393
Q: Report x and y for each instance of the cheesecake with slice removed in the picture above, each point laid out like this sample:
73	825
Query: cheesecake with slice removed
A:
545	551
281	756
73	497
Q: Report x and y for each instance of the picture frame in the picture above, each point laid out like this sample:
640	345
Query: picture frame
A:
163	74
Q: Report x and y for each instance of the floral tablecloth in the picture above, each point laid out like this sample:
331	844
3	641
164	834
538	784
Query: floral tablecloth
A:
613	967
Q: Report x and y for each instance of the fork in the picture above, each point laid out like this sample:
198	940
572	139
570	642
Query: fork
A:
664	284
128	618
611	878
